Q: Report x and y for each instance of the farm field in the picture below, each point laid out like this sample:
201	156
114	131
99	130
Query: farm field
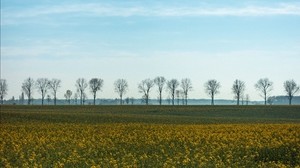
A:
150	136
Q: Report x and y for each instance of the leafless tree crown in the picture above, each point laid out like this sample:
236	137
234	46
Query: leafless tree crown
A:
171	87
264	86
54	84
291	88
160	82
95	85
42	84
145	87
238	89
212	88
68	96
186	86
27	87
81	85
121	87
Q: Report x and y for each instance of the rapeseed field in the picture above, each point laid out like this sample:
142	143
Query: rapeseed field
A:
46	144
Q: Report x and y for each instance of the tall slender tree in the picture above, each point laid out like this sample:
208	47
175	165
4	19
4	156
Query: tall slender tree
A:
212	88
3	89
145	87
95	85
121	87
186	86
81	85
54	85
238	89
291	88
28	87
160	82
265	86
42	84
171	87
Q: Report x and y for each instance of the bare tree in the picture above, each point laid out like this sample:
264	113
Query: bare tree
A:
265	86
75	98
171	87
121	87
95	85
21	98
68	96
27	87
247	99
145	87
160	82
42	84
54	85
212	88
186	86
291	88
3	89
238	89
81	85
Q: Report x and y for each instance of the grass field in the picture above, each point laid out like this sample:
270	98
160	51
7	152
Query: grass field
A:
150	136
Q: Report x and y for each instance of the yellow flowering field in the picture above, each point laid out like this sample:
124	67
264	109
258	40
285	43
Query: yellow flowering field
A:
149	145
150	136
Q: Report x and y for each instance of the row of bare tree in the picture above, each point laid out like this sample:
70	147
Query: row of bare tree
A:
43	85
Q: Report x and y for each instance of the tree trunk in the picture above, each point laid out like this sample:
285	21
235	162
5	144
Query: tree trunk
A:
94	98
121	100
265	93
55	98
81	98
290	100
29	96
186	96
173	99
159	98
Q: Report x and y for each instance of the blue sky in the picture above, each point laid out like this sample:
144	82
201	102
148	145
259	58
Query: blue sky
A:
135	40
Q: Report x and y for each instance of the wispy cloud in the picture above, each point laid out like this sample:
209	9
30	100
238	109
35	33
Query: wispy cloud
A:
104	10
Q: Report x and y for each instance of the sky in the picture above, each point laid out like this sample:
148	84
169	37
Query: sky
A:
136	40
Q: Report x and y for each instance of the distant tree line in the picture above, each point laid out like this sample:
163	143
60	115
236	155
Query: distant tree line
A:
174	88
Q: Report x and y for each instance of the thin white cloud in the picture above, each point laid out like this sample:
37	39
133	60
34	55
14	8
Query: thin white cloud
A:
100	10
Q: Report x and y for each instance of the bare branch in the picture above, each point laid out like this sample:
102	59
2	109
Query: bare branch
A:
160	82
171	87
212	88
186	86
144	87
121	87
55	84
95	85
238	89
81	85
265	86
291	88
27	87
